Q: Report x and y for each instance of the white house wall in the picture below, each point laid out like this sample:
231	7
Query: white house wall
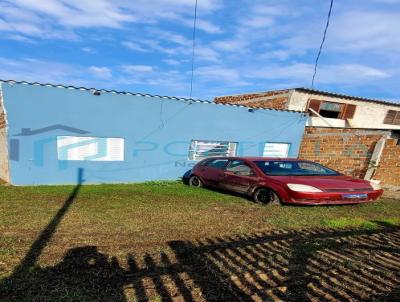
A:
368	114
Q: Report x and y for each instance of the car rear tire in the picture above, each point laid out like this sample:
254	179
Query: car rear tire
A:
266	196
195	181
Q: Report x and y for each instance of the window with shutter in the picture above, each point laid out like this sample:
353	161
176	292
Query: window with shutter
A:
314	104
392	118
348	111
396	120
330	109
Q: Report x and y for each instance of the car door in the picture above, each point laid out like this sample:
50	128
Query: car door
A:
213	171
238	177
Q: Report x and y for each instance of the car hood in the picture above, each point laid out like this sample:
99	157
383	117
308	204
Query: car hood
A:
326	182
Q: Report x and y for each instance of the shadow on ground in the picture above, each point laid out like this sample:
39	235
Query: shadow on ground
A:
301	265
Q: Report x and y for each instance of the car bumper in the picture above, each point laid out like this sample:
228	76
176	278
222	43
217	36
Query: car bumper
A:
328	198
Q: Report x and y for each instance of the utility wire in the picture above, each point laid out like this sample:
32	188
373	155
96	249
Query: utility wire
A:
193	47
322	44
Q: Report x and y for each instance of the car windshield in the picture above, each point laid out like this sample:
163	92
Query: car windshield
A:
294	168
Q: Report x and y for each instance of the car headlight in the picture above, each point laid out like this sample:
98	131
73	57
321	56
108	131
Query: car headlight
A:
375	184
303	188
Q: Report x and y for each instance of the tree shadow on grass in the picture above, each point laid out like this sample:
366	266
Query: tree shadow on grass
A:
284	265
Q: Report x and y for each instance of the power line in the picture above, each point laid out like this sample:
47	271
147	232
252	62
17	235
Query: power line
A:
322	44
193	48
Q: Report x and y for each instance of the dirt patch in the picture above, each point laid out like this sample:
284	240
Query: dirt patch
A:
308	265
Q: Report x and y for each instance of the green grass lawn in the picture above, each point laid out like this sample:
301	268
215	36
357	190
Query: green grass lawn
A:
41	229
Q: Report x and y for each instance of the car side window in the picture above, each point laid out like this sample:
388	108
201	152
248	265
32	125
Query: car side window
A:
217	163
239	167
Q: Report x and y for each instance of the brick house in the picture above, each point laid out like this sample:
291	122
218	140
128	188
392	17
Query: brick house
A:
355	135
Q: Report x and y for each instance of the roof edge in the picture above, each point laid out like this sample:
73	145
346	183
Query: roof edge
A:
189	100
344	96
256	92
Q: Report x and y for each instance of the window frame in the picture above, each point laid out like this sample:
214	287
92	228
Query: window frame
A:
193	155
395	120
347	111
85	142
280	143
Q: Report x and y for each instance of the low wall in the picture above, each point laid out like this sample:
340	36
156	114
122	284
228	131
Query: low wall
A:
389	167
346	150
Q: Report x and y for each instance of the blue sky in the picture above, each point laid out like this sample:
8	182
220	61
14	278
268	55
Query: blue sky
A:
242	45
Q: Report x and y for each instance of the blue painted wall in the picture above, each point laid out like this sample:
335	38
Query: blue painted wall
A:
157	133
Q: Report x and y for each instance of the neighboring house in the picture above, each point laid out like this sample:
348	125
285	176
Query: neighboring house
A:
355	135
336	110
49	132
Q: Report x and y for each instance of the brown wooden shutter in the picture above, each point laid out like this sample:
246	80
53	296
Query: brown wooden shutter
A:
396	120
348	111
314	104
390	117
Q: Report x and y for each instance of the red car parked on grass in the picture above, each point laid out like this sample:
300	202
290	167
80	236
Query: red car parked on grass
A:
292	181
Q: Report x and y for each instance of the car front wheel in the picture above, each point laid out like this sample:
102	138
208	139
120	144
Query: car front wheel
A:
266	196
195	181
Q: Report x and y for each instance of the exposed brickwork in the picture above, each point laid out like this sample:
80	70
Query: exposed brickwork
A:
389	167
3	145
271	100
345	150
2	120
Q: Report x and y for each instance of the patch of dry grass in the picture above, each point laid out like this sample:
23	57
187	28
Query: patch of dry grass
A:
141	222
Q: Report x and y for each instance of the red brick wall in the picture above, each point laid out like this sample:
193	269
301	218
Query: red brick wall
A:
276	99
345	150
2	120
389	167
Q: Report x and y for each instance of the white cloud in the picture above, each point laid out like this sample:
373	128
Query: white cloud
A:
354	74
216	73
233	45
380	33
35	70
20	38
171	37
52	18
352	31
137	68
156	46
203	25
388	1
88	49
208	27
133	46
174	45
172	62
258	21
100	72
206	54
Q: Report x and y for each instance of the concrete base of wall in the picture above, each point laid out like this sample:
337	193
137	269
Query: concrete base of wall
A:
391	191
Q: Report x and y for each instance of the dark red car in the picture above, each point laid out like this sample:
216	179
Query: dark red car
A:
271	180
